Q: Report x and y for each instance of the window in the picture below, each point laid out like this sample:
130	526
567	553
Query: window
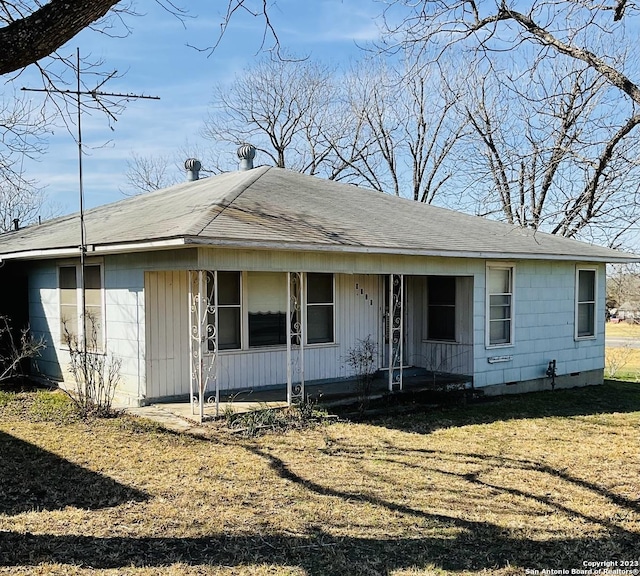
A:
69	283
586	303
69	316
254	304
320	304
229	309
500	305
441	308
267	308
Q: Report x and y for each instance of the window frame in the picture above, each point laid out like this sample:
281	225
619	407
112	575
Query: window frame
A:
510	266
244	313
80	327
213	298
428	306
578	303
308	305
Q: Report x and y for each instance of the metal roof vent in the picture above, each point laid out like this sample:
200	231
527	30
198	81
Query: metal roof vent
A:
246	153
193	166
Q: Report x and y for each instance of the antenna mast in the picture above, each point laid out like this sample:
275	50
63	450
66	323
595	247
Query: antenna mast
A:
96	94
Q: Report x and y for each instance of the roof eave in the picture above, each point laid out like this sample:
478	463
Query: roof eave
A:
169	243
95	249
354	249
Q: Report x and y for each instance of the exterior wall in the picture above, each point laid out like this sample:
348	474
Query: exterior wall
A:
124	320
453	357
357	315
44	317
153	286
544	312
339	262
573	380
167	333
125	325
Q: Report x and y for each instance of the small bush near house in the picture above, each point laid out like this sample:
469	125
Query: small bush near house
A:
295	417
95	372
363	361
16	349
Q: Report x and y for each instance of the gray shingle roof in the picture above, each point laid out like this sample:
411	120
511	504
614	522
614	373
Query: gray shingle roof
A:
274	208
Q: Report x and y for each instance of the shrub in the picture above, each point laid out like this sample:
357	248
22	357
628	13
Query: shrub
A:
362	359
96	374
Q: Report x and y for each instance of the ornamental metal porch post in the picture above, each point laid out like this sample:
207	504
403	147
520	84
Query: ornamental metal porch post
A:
295	336
396	330
203	336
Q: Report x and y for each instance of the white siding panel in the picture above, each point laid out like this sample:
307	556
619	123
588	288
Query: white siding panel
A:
544	304
167	333
357	315
125	326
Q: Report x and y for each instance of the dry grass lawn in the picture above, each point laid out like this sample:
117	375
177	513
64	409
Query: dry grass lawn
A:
539	481
622	329
623	361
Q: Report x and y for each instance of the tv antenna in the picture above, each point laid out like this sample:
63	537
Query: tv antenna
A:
96	94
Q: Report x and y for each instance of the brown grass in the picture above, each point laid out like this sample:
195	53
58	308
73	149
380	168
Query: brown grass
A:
539	481
622	329
623	361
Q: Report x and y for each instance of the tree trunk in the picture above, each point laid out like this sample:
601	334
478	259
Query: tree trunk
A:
29	39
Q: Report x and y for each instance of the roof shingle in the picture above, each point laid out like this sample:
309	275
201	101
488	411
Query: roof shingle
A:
271	207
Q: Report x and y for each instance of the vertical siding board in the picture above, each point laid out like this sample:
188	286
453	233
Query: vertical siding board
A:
167	330
150	304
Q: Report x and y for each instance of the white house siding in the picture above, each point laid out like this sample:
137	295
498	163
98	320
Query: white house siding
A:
151	330
167	333
125	325
124	318
453	357
340	262
544	307
44	318
357	315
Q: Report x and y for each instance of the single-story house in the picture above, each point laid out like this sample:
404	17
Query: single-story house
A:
265	277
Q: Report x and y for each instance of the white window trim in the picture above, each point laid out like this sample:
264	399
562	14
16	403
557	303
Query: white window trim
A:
244	319
305	304
593	336
103	308
487	311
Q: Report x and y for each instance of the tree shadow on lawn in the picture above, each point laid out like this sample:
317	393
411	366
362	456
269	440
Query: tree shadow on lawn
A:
479	546
439	541
34	479
611	397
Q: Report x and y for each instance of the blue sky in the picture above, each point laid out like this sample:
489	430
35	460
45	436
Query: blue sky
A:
157	60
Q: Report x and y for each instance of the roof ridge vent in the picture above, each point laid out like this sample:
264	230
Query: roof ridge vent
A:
246	153
193	167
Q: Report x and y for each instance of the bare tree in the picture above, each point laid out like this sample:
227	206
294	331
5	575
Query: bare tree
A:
410	127
623	284
547	153
369	125
31	30
593	33
22	130
147	173
282	108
